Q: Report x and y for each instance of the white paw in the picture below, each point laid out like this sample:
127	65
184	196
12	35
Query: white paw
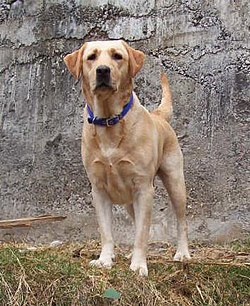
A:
182	255
102	263
141	267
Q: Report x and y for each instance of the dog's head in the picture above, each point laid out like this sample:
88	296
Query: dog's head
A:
105	65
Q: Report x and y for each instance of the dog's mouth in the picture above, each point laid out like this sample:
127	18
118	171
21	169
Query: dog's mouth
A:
103	85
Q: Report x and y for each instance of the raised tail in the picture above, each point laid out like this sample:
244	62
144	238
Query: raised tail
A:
165	109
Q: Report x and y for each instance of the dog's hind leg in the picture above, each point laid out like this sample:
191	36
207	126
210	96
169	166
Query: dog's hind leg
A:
103	208
171	174
131	211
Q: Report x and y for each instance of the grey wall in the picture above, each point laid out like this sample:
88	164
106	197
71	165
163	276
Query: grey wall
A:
204	48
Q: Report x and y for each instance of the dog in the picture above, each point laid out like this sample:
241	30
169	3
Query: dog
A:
124	146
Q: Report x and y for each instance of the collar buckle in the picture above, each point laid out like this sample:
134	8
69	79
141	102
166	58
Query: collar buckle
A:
107	121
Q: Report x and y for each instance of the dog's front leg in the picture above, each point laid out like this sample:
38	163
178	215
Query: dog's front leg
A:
103	208
142	209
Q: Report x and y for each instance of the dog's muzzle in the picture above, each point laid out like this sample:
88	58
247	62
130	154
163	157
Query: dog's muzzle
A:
103	79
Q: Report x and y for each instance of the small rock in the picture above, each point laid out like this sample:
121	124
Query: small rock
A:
55	243
28	249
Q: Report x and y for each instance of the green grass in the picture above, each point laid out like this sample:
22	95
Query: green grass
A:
62	277
241	245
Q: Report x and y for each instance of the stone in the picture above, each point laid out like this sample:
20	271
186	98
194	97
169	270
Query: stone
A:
204	49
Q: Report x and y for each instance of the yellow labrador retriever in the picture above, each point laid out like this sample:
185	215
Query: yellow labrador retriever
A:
124	146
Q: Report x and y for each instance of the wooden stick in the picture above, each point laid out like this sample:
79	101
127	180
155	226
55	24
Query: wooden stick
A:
204	263
197	262
28	222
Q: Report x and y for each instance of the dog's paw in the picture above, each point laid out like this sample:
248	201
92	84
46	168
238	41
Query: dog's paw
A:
102	263
140	267
182	255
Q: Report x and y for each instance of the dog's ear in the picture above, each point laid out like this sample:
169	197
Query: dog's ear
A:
74	62
136	59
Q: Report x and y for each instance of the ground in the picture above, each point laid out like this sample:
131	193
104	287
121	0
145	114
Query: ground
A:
60	276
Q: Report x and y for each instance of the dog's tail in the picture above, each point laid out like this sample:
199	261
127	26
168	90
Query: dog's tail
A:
165	109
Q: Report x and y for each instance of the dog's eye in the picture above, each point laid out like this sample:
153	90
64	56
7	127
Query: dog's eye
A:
91	57
117	56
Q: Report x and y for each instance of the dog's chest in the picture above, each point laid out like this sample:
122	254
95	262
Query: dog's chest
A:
113	170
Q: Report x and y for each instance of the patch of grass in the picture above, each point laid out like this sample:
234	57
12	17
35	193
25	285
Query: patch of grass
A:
240	245
62	277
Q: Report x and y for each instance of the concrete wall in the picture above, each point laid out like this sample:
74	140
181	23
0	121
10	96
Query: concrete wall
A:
204	48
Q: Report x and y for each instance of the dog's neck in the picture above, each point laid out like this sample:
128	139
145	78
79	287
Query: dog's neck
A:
107	103
106	107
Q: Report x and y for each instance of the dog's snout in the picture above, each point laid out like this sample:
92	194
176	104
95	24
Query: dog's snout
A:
103	70
103	77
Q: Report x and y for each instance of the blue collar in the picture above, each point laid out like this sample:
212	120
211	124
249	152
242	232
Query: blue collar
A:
110	120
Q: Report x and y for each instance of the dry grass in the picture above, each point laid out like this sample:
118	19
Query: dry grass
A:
61	276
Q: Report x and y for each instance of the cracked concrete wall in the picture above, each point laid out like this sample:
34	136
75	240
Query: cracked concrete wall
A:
204	48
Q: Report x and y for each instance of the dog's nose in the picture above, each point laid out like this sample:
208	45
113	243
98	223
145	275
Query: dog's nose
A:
102	71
